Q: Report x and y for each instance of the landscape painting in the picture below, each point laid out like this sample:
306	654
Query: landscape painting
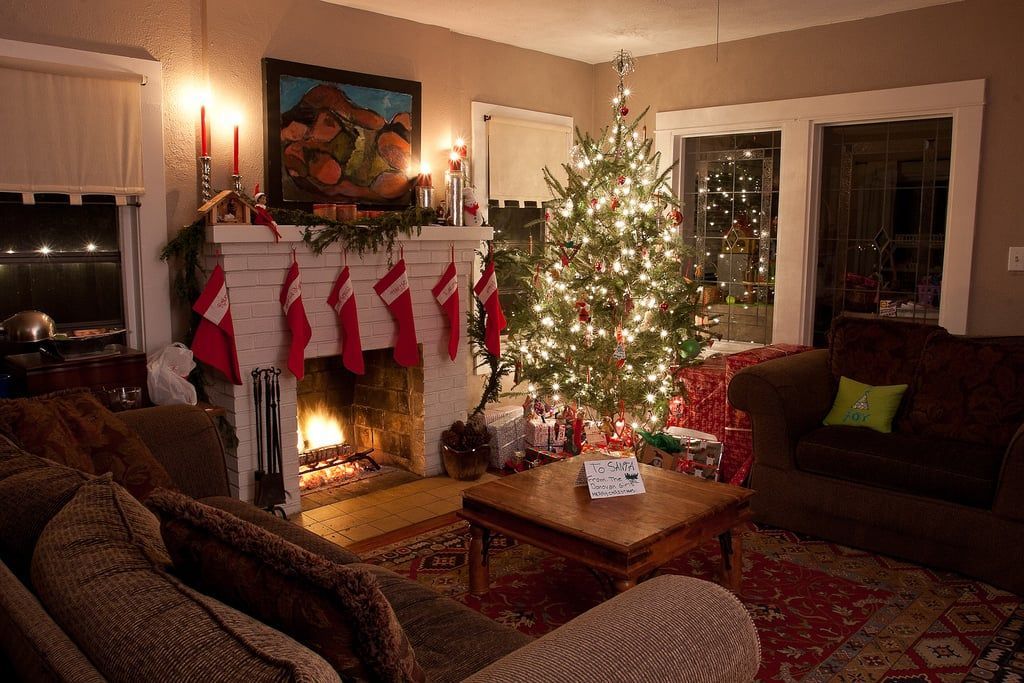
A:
339	137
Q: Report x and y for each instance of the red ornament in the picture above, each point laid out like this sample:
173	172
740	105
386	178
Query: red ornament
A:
599	267
664	306
584	312
624	111
622	180
676	216
593	202
615	203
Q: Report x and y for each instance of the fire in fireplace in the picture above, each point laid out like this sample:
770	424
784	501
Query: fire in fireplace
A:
325	458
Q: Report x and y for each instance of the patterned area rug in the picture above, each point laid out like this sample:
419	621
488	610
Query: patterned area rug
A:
824	612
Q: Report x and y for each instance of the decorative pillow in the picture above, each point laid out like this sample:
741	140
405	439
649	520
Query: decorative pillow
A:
862	405
32	491
968	390
877	351
76	430
100	570
336	610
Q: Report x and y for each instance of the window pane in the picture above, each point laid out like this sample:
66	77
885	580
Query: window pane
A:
75	294
28	228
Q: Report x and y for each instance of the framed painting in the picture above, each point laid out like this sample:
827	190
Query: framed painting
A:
339	137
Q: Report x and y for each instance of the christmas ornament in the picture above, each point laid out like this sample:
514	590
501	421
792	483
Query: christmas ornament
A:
446	293
614	203
691	347
627	304
584	311
621	180
214	341
624	111
677	216
343	300
298	324
730	299
486	290
393	289
663	306
619	354
599	267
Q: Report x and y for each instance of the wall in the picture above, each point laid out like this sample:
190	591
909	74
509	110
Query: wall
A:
972	39
227	40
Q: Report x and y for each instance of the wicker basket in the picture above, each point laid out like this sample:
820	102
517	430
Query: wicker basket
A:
465	465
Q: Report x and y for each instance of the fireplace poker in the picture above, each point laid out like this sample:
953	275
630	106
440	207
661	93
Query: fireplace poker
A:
257	393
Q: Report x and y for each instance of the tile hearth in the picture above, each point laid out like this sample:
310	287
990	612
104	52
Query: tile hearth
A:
362	517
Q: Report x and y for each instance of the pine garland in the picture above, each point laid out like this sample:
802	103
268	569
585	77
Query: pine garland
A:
366	234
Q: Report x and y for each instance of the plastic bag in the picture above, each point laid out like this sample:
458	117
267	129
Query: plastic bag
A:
166	374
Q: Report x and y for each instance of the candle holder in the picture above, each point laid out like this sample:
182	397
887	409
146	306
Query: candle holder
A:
454	182
424	196
205	187
236	183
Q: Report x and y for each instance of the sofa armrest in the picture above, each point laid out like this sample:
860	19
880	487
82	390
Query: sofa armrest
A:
186	442
785	398
1010	490
671	628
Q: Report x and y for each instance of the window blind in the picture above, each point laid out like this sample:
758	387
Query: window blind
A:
69	133
517	153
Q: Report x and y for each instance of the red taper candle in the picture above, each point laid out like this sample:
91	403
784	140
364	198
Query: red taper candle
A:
236	150
202	128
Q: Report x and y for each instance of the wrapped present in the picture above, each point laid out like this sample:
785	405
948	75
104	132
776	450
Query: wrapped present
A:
497	413
507	437
545	434
703	407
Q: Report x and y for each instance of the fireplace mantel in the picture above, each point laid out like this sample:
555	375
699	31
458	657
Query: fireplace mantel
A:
254	266
258	234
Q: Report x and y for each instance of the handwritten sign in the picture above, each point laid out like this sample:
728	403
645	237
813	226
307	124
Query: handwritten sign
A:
612	478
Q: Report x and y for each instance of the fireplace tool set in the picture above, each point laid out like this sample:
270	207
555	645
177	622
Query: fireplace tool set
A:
266	391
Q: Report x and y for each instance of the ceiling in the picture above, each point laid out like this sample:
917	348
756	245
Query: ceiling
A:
593	30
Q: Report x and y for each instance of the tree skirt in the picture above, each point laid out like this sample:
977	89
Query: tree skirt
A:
823	611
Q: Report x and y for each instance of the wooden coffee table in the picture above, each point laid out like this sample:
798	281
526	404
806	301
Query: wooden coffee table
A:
623	540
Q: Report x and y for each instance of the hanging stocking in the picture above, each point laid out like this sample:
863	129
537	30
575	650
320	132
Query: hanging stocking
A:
343	300
393	289
214	341
446	291
487	291
295	312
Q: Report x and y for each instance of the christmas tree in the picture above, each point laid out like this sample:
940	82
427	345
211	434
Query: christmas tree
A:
610	318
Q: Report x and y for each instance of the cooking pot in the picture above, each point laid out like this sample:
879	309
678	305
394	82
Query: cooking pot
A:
28	326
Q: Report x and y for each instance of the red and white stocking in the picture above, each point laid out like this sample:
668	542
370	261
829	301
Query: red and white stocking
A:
295	312
446	292
393	289
343	300
214	340
487	291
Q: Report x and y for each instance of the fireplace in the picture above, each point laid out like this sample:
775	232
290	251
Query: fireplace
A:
342	416
433	393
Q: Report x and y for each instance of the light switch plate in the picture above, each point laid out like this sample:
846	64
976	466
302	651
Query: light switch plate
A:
1016	259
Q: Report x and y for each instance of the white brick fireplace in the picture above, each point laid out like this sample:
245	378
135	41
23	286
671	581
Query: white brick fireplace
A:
255	266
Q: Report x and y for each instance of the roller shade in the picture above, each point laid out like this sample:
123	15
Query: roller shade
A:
69	133
518	151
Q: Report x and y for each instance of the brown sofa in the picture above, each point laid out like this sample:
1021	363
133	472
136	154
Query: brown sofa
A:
945	488
659	630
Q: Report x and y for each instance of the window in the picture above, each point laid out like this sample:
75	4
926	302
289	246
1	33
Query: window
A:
730	214
882	226
62	259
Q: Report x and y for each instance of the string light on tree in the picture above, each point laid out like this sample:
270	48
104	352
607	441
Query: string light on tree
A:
610	318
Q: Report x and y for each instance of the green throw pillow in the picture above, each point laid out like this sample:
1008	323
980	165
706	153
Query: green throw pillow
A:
862	405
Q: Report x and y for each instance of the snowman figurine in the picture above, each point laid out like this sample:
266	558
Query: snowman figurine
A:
472	212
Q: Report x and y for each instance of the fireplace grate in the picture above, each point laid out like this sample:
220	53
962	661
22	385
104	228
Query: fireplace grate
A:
332	456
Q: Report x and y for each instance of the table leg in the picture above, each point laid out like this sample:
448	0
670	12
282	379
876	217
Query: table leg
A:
732	559
623	585
479	572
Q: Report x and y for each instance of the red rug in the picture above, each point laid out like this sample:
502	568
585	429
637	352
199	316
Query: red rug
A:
824	612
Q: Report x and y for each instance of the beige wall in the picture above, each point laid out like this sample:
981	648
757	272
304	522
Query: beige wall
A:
454	69
972	39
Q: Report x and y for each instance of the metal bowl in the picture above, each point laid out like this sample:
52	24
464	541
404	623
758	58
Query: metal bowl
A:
28	326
